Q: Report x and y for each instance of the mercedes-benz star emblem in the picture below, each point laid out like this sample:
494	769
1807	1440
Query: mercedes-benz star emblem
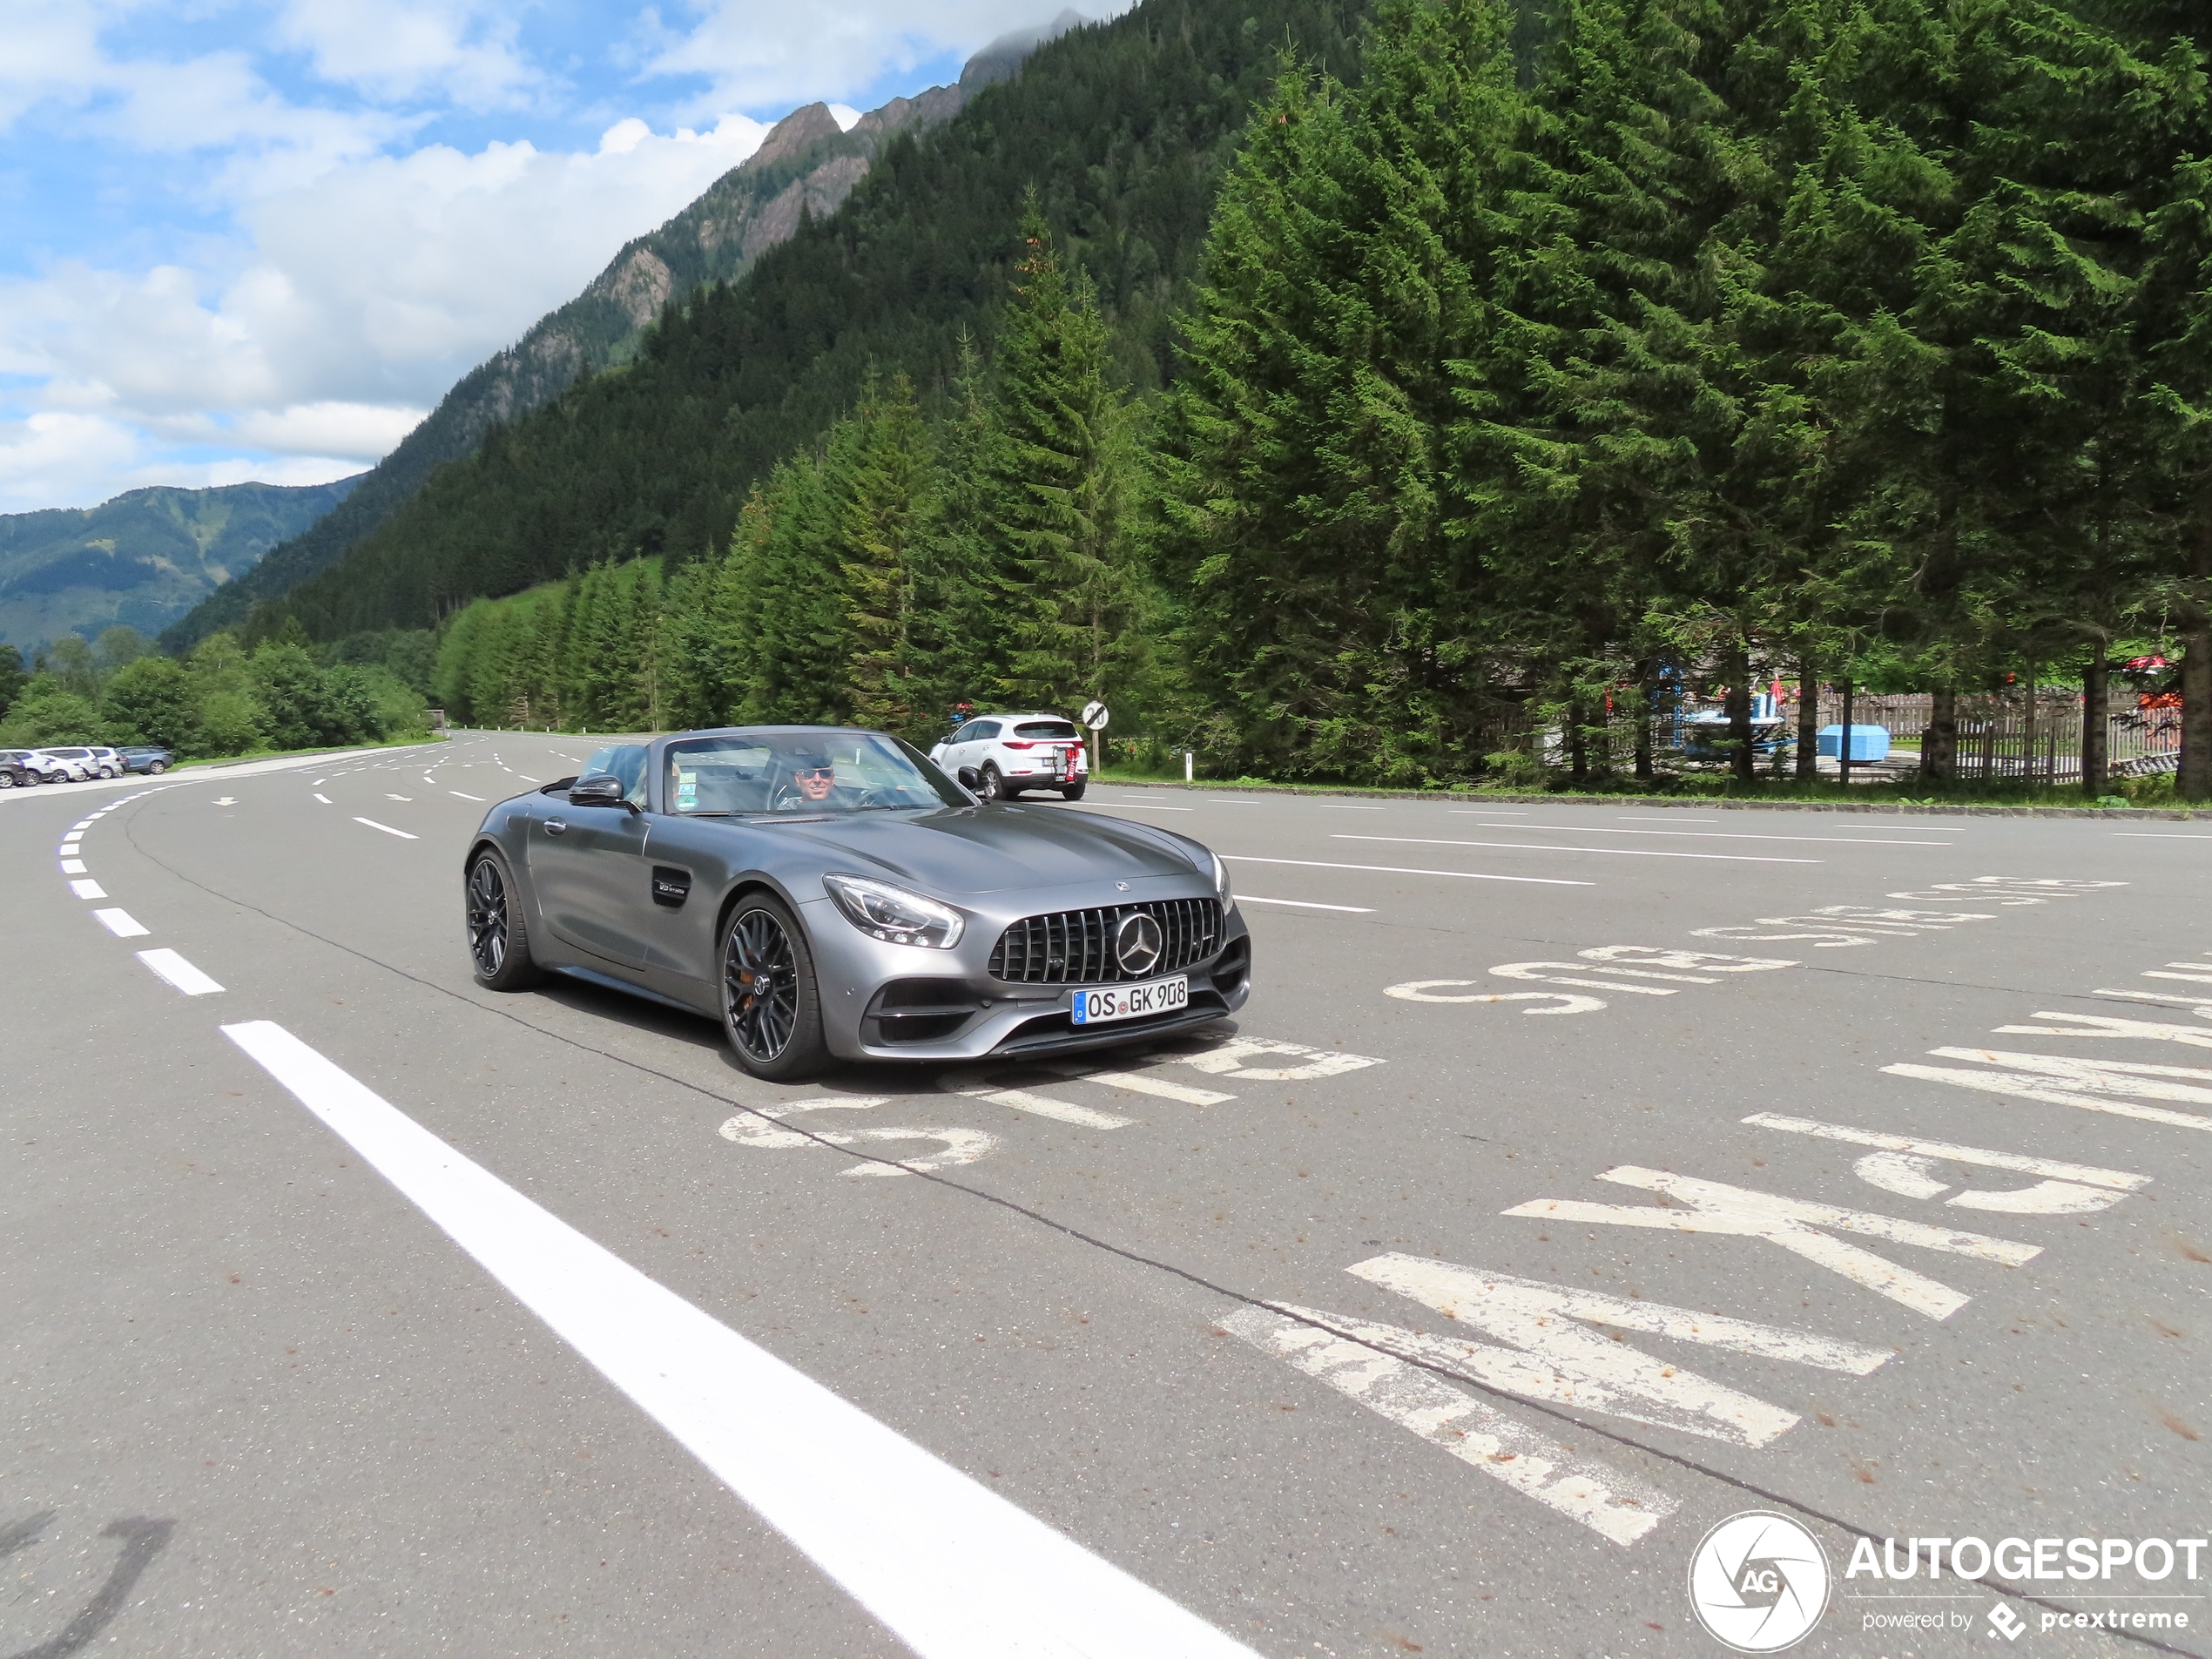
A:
1136	943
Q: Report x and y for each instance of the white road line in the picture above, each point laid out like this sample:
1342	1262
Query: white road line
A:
326	800
1045	1106
1226	801
87	888
1140	807
1610	852
1391	869
121	923
180	973
320	782
1340	806
1612	1503
80	827
1308	904
949	1567
2160	835
2016	1162
1138	1082
527	779
1702	835
1626	819
387	829
72	866
479	798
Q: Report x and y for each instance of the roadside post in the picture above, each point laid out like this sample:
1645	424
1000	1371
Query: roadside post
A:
1094	716
1842	745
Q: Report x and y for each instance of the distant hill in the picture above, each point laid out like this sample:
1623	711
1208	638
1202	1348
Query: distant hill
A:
805	166
1121	128
144	558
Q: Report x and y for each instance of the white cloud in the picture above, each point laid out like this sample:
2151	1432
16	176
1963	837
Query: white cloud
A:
750	53
72	460
363	296
390	49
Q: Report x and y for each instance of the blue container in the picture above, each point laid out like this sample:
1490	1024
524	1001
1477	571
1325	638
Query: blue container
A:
1867	742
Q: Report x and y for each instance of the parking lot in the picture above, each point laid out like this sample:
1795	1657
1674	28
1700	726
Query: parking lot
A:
1577	1176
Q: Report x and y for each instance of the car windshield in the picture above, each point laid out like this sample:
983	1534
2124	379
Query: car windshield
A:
802	771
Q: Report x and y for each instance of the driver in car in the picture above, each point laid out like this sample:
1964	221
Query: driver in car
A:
816	779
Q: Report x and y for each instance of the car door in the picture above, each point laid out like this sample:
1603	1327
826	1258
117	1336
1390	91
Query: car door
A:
590	867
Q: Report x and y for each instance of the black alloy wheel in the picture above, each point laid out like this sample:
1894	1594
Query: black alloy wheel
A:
770	1007
499	946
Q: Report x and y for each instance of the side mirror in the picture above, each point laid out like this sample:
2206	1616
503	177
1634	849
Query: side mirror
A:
970	779
602	789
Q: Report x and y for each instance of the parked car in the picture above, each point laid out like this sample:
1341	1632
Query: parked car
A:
828	894
1012	752
28	764
82	764
66	766
147	758
13	773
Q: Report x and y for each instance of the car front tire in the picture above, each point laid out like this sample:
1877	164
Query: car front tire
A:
772	1008
499	945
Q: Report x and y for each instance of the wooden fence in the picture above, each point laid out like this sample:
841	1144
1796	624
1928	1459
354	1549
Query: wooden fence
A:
2003	735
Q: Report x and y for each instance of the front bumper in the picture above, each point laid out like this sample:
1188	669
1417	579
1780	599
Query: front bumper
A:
897	1002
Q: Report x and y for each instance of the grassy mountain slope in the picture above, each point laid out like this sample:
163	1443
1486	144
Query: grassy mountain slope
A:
144	558
805	166
1121	128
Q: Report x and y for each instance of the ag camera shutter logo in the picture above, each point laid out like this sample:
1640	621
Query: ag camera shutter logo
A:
1758	1583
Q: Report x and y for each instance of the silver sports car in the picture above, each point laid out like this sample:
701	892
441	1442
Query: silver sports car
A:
825	892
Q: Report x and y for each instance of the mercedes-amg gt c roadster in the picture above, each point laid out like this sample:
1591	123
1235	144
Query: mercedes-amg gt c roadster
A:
830	894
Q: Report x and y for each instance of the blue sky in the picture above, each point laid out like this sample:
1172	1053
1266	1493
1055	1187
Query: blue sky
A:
260	240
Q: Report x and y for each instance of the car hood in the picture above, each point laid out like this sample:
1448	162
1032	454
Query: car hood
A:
995	849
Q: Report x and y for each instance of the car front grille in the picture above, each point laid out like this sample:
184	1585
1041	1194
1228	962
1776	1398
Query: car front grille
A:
1077	946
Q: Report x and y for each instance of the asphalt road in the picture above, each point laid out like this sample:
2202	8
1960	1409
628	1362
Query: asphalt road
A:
273	1386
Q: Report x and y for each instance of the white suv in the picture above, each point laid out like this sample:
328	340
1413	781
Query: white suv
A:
82	765
1012	752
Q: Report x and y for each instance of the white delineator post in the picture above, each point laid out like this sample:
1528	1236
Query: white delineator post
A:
1186	765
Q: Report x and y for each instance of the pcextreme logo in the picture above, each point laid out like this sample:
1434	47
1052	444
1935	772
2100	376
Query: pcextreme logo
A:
1758	1583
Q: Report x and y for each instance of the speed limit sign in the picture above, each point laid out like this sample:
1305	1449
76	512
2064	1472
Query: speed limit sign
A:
1094	716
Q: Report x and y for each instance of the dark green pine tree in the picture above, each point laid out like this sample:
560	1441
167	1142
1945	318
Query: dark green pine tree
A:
886	506
957	643
797	650
1051	500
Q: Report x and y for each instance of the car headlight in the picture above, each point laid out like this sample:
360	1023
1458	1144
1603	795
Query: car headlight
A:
894	915
1221	883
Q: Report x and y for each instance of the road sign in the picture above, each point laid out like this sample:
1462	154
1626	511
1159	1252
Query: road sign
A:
1094	715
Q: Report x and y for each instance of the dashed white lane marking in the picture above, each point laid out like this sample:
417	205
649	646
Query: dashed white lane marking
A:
949	1567
1138	1082
2159	835
527	779
72	866
80	827
1605	852
1345	806
1701	835
87	888
474	798
320	782
1613	1504
1391	869
1308	904
387	829
1020	1099
388	796
1141	806
180	973
325	799
121	923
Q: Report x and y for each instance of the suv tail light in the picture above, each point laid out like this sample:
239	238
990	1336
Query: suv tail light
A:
1008	743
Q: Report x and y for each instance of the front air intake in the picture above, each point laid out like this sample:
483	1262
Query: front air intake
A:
1077	946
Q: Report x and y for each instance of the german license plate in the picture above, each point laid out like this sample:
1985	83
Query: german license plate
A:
1130	1001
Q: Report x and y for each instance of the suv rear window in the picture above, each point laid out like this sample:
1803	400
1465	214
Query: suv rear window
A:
1044	729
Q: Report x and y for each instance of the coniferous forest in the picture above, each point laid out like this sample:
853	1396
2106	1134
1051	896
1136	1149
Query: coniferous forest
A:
1551	361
